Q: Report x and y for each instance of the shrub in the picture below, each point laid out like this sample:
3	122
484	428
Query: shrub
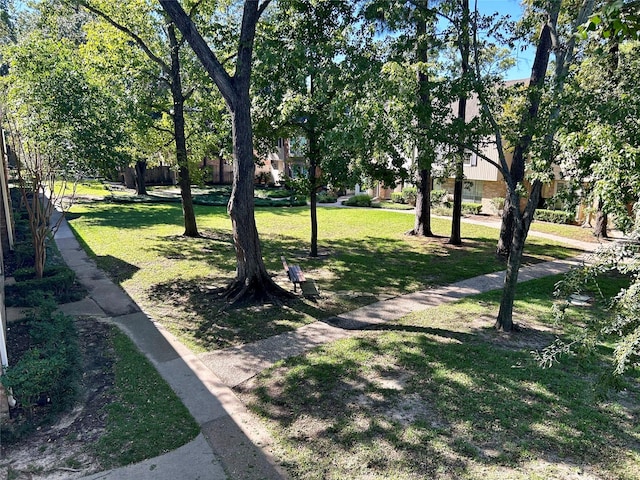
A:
471	208
58	282
553	216
326	197
277	193
409	194
498	203
438	197
48	372
397	197
24	254
362	200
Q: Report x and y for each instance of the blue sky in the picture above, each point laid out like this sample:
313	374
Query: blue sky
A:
524	59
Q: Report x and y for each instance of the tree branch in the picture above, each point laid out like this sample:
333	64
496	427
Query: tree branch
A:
209	60
263	7
143	46
162	129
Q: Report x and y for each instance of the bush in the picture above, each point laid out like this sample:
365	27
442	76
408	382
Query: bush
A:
554	216
438	197
471	208
58	282
24	254
362	200
276	193
498	204
326	197
397	197
48	372
409	194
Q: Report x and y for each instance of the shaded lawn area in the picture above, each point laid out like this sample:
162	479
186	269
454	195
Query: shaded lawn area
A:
440	395
364	254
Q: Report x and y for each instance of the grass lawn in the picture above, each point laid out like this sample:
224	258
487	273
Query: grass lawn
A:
441	395
364	254
569	231
148	418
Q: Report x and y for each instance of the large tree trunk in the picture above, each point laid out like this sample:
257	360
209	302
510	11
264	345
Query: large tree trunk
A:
184	178
522	222
422	224
252	282
141	184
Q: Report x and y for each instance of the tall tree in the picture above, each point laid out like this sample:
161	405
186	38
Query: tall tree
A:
316	40
464	47
564	52
412	24
163	49
62	125
252	281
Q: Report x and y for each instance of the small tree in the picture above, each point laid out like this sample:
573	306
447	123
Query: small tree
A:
42	190
61	124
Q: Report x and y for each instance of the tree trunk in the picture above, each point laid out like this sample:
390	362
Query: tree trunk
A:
522	222
313	162
252	282
601	222
456	216
141	183
422	224
504	321
184	178
506	229
534	94
464	45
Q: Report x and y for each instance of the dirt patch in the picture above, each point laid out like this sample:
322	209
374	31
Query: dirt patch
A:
62	450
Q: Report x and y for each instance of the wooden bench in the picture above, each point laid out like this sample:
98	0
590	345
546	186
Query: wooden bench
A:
294	272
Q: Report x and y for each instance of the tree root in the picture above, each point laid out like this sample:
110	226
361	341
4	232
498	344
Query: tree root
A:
255	291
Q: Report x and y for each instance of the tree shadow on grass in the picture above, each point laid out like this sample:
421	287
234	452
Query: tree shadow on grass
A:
197	310
118	270
407	404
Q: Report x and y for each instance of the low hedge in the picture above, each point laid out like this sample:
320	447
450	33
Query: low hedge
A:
48	372
553	216
324	197
471	208
58	282
361	200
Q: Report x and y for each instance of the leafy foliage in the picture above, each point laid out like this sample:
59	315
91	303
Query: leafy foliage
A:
622	326
48	372
553	216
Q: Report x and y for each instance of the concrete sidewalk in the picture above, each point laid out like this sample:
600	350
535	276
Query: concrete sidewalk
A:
233	445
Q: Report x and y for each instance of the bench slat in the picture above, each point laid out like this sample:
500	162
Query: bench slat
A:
295	274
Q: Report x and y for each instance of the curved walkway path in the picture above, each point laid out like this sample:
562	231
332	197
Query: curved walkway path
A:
232	444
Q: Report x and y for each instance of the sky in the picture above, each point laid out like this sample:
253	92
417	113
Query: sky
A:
524	59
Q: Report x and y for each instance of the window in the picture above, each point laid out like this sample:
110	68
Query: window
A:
472	191
470	159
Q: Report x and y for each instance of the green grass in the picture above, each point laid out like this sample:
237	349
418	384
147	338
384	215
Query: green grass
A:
440	394
364	254
568	231
148	419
